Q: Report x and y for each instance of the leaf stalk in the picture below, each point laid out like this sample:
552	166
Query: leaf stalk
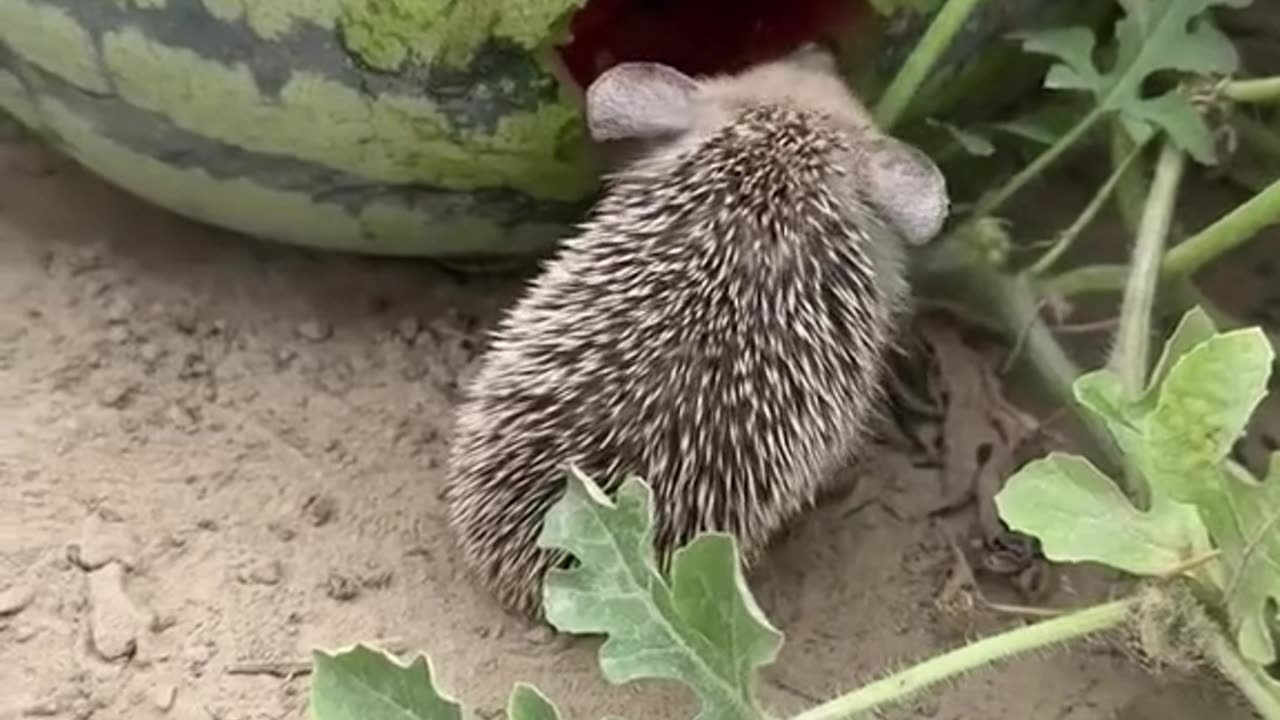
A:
1254	90
1013	185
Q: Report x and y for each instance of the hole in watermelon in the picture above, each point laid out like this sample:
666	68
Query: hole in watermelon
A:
698	36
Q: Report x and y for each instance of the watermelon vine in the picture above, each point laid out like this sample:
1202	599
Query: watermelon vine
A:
1200	532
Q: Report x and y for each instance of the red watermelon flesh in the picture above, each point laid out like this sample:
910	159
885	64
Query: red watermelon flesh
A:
698	36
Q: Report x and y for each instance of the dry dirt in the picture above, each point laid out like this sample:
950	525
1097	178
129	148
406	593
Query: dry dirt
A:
216	455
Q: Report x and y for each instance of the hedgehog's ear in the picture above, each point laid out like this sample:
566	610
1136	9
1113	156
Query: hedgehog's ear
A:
639	101
907	188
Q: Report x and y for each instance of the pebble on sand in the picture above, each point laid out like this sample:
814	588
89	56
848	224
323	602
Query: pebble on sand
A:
15	599
115	621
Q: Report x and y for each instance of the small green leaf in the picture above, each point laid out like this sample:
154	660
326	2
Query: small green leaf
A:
1102	392
366	684
969	140
1047	123
704	629
527	703
1153	36
1204	404
1244	518
1028	130
1195	328
1080	515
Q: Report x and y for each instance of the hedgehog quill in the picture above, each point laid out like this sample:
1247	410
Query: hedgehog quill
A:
718	326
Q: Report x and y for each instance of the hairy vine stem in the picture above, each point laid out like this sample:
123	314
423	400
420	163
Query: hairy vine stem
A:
1131	354
1045	633
1261	691
1230	231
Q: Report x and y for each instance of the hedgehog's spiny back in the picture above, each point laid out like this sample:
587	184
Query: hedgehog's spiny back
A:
766	164
717	325
766	200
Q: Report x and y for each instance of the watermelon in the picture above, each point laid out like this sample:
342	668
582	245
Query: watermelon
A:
393	127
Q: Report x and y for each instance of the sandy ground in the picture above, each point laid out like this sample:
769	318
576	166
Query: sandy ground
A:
216	455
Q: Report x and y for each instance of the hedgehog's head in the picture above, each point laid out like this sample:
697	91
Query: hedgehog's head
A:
660	107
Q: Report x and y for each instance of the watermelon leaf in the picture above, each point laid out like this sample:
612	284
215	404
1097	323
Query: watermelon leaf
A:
366	684
1244	518
1195	328
1179	432
527	703
1103	394
1247	523
703	628
1080	515
1152	37
1204	404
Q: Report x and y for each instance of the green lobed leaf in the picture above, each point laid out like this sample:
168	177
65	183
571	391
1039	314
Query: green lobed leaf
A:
1080	515
1153	36
1204	389
704	629
366	684
1195	328
527	703
1075	48
1204	404
1102	392
1243	515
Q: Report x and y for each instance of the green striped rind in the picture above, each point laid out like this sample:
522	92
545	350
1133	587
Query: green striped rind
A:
269	19
380	225
188	104
389	138
387	33
416	127
49	37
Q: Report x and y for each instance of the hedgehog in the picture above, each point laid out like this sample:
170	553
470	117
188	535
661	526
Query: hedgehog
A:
718	326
